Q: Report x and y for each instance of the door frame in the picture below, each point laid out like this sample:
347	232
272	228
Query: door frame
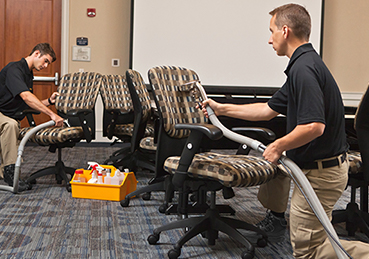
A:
64	51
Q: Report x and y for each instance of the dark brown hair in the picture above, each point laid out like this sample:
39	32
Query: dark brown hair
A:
44	49
294	16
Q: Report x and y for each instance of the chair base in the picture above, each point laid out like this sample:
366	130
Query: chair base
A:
60	171
209	225
355	219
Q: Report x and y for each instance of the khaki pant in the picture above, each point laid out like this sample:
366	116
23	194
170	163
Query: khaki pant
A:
9	132
308	238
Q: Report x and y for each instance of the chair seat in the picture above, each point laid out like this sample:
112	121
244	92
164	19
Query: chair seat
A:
230	170
53	135
148	143
127	130
355	162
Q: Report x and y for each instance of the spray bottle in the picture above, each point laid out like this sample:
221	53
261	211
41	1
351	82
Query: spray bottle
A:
93	166
99	174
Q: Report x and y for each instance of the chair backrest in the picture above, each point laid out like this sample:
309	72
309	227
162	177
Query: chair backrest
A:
175	106
78	91
115	96
115	93
142	105
362	130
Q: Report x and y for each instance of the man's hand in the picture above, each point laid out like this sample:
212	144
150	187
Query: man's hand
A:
58	120
53	97
213	104
272	153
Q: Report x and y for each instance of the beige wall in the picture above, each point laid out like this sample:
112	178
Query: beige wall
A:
345	43
108	34
345	38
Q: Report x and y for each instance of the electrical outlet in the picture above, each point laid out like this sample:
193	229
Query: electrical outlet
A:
115	62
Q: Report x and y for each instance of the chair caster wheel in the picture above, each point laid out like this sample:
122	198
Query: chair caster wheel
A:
69	188
247	255
29	186
125	202
32	182
146	196
262	242
163	208
153	239
174	253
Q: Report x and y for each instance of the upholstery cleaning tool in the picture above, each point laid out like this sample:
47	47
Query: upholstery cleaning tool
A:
32	131
293	170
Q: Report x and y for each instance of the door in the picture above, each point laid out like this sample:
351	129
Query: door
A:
24	24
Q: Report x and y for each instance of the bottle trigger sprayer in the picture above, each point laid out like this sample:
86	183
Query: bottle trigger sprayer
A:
93	167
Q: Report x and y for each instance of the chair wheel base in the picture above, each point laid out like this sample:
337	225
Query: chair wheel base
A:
153	239
174	253
146	196
247	255
125	202
262	242
163	208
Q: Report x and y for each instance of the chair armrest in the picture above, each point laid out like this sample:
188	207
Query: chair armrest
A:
117	111
192	146
29	115
264	132
113	122
77	112
209	130
81	114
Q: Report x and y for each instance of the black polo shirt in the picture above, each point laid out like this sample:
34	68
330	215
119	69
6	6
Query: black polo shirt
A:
15	78
310	94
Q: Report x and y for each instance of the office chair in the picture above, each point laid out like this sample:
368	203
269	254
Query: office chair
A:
357	217
75	103
201	172
166	146
119	117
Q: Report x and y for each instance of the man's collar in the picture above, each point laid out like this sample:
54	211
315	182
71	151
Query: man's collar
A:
297	53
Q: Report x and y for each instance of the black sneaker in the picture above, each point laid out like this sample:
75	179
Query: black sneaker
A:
274	227
9	178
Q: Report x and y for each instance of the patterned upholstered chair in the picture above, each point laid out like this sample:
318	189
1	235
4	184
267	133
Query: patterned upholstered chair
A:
200	172
119	117
357	217
76	102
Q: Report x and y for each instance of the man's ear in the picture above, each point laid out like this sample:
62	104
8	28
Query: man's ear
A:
285	31
36	53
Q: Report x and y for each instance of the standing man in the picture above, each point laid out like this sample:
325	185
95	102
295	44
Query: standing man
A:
312	103
16	87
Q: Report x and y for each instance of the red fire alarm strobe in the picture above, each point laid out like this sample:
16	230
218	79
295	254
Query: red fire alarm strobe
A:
91	12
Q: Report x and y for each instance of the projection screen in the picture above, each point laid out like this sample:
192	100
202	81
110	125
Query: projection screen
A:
224	41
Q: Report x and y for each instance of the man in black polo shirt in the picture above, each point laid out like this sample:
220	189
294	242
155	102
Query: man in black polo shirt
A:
315	138
16	83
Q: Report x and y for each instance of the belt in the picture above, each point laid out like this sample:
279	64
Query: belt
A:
326	163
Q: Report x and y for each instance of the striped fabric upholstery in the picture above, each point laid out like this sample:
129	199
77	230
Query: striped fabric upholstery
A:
77	91
127	130
115	93
142	93
230	170
175	106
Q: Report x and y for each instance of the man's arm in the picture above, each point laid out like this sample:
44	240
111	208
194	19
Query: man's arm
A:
250	112
32	101
298	137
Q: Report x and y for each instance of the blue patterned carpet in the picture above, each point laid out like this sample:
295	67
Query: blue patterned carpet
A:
46	222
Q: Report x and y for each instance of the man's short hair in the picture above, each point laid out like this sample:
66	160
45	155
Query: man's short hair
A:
294	16
44	49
